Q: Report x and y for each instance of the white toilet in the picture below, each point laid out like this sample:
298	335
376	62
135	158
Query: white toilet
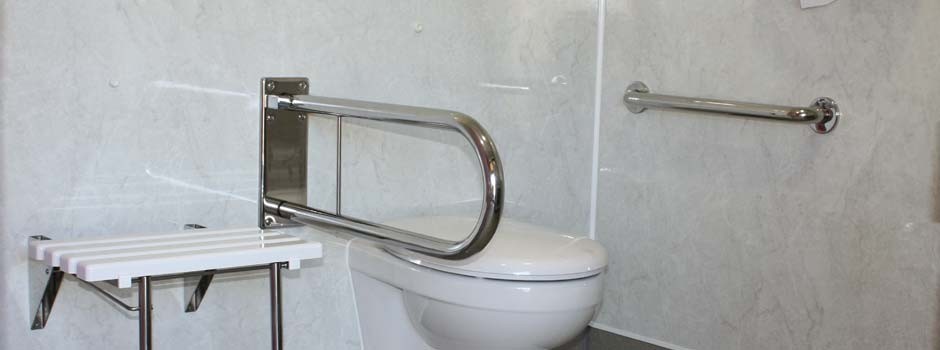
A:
531	288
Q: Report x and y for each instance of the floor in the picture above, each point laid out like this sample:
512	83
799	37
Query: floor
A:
596	339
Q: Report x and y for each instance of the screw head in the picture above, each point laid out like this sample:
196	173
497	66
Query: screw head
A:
270	86
268	221
302	85
301	117
269	117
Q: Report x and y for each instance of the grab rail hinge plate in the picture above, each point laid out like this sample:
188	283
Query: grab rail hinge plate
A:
283	148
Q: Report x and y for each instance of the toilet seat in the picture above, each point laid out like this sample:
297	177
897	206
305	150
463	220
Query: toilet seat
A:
517	252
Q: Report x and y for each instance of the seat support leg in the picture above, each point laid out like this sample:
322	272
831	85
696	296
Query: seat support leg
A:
144	313
277	335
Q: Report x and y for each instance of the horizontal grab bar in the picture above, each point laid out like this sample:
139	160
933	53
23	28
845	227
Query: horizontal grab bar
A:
470	129
823	114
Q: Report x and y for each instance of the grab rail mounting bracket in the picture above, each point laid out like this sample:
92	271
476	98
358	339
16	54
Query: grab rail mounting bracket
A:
283	149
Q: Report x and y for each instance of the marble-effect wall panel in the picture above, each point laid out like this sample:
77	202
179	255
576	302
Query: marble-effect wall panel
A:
123	116
742	234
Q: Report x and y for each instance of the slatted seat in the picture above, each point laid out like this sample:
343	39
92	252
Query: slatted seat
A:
141	258
124	258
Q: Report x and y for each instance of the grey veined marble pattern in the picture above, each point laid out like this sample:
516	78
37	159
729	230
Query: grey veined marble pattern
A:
121	116
739	234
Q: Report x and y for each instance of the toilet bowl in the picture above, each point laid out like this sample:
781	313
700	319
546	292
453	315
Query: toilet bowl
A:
531	288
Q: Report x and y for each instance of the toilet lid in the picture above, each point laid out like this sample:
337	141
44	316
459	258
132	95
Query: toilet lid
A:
518	251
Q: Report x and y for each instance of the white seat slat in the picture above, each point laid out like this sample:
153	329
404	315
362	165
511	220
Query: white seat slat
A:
53	255
70	261
38	248
124	258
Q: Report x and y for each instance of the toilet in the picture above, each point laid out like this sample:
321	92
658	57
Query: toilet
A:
531	288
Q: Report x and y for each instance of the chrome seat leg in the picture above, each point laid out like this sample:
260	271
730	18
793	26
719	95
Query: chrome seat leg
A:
144	313
277	335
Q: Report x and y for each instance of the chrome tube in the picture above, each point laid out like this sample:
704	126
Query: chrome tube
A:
277	316
795	114
470	129
823	113
144	313
339	166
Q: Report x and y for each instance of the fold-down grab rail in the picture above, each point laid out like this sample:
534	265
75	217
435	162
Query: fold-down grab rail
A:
283	165
823	113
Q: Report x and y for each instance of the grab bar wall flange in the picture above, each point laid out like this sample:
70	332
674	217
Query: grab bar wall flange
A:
823	113
283	150
272	207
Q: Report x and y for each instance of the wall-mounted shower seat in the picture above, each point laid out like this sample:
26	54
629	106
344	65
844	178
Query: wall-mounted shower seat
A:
144	258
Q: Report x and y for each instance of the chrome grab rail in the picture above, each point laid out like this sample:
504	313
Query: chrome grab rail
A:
823	114
470	129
